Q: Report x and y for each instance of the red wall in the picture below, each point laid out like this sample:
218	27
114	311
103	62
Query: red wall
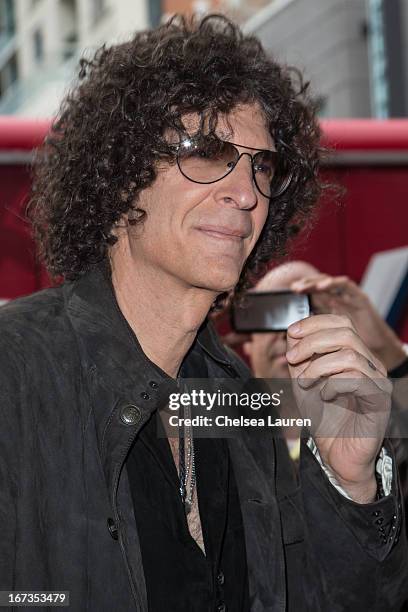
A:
372	216
19	273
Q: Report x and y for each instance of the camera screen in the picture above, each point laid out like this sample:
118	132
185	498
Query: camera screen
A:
270	311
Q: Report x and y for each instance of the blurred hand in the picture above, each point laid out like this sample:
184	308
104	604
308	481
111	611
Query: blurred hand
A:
340	295
343	387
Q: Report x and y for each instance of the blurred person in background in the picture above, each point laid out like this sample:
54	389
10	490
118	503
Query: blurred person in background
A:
336	295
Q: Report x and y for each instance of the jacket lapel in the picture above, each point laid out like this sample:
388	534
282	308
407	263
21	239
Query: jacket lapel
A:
120	375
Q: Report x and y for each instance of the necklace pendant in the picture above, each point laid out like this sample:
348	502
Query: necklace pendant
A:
187	506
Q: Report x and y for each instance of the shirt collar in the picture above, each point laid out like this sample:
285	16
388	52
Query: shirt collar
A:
109	344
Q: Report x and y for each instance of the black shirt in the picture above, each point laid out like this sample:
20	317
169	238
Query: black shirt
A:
179	577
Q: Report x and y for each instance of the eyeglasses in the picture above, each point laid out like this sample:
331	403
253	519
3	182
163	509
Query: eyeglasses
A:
208	160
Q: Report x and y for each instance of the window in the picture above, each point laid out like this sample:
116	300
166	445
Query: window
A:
70	46
321	105
8	74
7	20
38	46
155	12
98	9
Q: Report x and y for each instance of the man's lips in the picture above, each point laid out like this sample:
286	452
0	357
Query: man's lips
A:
223	232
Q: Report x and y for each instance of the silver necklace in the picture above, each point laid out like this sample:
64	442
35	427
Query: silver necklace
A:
187	471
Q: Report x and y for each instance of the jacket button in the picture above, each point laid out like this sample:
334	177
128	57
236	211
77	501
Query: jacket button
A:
113	530
233	372
130	414
153	384
220	578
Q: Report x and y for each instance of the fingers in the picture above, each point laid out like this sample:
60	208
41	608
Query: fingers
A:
334	294
334	342
319	322
376	393
347	361
323	282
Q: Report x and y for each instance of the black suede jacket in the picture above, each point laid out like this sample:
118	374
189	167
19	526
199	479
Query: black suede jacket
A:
75	389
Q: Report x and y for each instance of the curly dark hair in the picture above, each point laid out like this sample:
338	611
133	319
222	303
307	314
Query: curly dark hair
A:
104	145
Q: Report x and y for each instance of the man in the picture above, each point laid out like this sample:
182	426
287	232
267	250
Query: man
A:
150	213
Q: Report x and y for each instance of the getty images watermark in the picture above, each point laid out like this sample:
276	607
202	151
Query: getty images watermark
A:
221	403
331	408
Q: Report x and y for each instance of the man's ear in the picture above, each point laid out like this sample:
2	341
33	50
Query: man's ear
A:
120	226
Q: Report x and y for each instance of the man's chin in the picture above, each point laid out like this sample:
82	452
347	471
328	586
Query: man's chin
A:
219	284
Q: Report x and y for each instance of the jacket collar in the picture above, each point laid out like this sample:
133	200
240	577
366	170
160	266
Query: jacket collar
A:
109	345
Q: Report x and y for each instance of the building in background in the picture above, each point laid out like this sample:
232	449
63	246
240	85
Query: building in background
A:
239	10
388	47
42	40
354	52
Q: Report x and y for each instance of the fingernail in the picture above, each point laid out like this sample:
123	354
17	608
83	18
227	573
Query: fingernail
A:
294	328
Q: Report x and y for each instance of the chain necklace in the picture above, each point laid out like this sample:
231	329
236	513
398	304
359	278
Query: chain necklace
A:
186	462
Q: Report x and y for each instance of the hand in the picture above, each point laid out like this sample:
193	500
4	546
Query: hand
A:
344	388
340	295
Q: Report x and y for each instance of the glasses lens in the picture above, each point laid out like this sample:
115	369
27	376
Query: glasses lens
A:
264	165
271	176
206	161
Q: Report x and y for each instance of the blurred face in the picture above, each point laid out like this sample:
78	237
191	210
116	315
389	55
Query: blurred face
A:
267	351
201	235
267	354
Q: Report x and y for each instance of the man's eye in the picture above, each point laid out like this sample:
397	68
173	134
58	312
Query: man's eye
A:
212	154
264	168
200	153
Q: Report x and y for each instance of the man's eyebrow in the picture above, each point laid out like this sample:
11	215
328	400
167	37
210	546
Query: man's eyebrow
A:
268	147
229	137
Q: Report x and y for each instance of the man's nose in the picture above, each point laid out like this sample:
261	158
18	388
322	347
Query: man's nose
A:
238	186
